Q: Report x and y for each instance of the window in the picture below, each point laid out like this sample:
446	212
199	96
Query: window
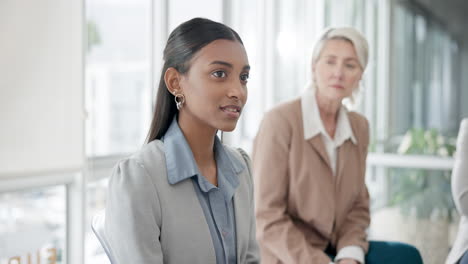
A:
33	226
278	37
118	75
119	96
125	45
425	81
418	209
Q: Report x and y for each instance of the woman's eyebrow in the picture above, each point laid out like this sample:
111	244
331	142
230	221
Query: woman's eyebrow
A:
227	64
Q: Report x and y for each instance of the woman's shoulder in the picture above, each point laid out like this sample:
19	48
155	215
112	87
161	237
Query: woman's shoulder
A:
360	126
284	113
237	153
243	161
287	108
133	187
357	119
151	152
147	159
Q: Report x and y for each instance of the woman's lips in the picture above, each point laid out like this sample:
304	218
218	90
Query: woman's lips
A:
232	111
337	86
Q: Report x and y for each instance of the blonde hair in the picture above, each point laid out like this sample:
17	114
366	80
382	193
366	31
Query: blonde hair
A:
346	33
349	34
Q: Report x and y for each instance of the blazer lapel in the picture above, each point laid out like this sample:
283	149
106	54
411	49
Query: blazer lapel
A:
241	211
318	145
184	200
343	152
238	212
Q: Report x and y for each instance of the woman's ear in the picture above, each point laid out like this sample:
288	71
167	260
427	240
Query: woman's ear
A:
172	80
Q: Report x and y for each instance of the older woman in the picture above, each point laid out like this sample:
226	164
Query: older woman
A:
309	163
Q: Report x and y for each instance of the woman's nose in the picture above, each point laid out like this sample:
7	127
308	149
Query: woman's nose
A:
237	91
338	71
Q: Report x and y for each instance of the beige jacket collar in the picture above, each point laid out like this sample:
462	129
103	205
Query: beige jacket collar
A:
312	122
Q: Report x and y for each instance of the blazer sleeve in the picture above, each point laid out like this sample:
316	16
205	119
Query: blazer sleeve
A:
276	231
460	171
353	231
133	215
253	252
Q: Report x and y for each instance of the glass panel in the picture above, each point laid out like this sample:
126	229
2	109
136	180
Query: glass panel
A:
424	76
33	226
118	88
291	70
340	13
248	25
277	38
414	206
403	50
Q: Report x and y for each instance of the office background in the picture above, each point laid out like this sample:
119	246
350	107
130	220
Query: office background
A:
78	79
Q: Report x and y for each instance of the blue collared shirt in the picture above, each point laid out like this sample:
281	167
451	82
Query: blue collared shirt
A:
216	202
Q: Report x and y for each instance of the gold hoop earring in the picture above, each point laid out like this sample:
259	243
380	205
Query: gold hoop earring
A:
179	100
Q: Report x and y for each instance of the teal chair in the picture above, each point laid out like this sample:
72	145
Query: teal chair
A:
392	252
383	252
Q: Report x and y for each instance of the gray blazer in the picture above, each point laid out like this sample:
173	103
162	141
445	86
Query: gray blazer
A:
149	220
460	194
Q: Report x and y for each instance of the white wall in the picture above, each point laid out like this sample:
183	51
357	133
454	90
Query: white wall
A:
41	86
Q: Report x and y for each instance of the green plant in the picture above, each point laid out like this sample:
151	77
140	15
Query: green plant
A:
93	35
421	192
427	142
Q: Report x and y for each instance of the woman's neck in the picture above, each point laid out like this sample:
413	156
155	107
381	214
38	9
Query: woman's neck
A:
328	110
200	138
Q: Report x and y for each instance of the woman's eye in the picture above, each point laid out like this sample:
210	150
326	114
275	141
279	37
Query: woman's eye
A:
330	62
219	74
244	77
350	66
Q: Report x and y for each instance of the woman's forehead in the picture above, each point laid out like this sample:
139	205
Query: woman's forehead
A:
230	51
338	48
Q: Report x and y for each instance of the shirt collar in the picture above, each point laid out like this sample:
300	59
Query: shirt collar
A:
181	164
227	171
312	122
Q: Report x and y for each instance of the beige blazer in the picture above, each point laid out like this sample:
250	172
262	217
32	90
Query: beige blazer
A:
301	206
150	221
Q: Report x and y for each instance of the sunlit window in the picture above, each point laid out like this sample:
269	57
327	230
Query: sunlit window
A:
118	88
33	226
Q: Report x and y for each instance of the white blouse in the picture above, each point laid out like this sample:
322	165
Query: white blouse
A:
313	125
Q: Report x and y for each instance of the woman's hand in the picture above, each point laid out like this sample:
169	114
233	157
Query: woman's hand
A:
347	261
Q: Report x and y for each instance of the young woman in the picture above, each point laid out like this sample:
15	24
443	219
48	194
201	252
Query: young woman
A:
313	206
185	197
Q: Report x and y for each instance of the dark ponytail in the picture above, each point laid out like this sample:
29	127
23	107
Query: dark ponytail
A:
186	40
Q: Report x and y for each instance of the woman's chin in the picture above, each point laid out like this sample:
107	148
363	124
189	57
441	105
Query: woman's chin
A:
227	127
337	96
